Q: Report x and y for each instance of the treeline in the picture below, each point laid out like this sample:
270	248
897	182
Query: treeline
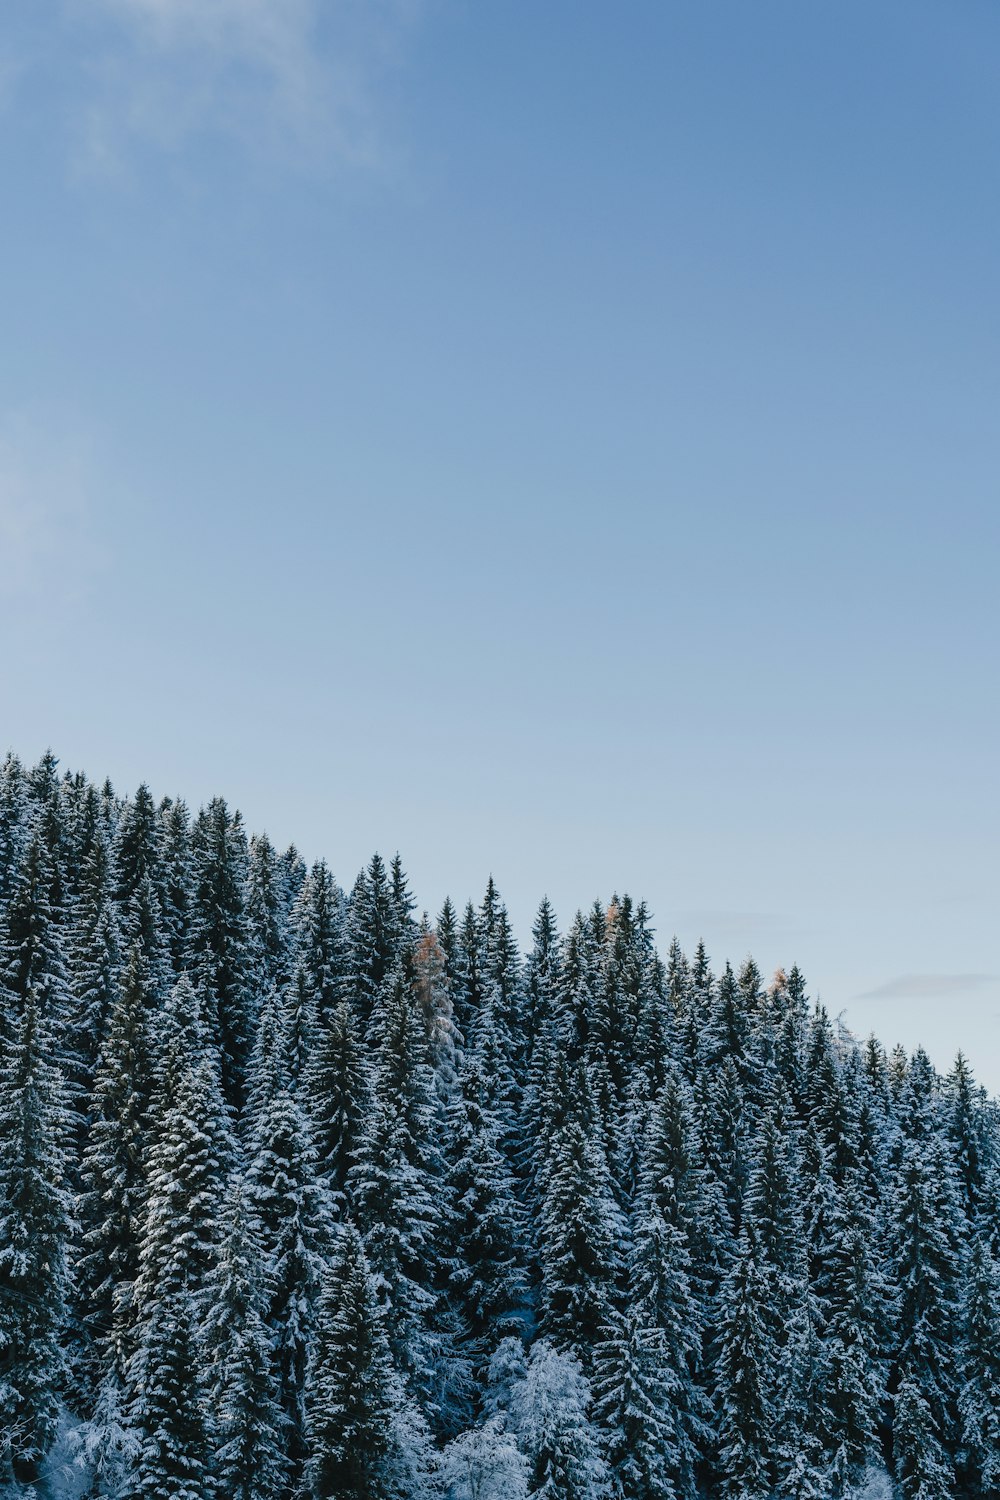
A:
301	1195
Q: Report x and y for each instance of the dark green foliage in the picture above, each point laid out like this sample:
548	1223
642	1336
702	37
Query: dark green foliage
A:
34	1237
175	1458
298	1192
352	1393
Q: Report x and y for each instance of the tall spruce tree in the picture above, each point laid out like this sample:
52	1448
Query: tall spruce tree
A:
745	1376
175	1439
289	1204
336	1089
486	1230
927	1269
114	1178
581	1230
220	939
238	1354
352	1392
979	1393
34	1235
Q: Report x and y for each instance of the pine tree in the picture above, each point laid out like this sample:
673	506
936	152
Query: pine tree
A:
673	1177
927	1269
264	910
337	1094
647	1399
45	788
136	851
94	951
773	1207
979	1394
175	1439
501	969
745	1376
13	822
238	1354
855	1301
963	1108
433	998
486	1274
186	1170
456	974
318	919
394	1184
32	955
542	974
176	881
297	1024
114	1180
581	1231
288	1203
721	1119
923	1468
221	939
549	1411
34	1232
352	1391
374	934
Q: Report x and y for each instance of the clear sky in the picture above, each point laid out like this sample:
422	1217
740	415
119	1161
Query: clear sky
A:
560	440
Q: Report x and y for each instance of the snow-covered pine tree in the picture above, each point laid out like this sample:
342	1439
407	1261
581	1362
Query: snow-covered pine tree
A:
297	1024
433	997
979	1393
94	961
267	934
318	921
237	1353
448	930
352	1390
336	1093
289	1204
549	1409
186	1169
745	1376
34	1236
581	1229
168	1411
13	822
927	1228
486	1231
650	1408
114	1179
176	881
374	936
972	1151
220	939
136	852
394	1186
32	950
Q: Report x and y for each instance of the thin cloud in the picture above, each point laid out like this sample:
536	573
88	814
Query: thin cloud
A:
295	77
930	986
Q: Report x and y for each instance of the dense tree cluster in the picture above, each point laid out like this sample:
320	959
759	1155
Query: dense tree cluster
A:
301	1195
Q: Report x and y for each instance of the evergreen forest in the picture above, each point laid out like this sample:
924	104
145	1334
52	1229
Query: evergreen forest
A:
307	1196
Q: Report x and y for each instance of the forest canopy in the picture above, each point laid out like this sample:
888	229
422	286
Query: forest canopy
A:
305	1194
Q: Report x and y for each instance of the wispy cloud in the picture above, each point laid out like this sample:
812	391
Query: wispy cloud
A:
931	986
48	531
292	76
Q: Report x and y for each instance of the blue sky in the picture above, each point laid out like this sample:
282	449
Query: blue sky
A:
557	440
